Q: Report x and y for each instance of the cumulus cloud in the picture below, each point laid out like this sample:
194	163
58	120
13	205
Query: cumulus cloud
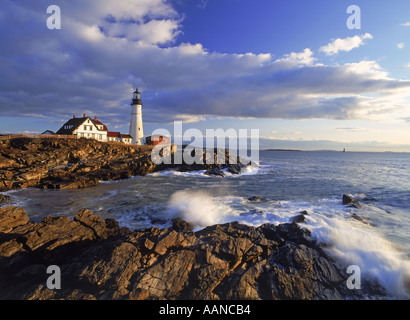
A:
346	44
106	49
299	58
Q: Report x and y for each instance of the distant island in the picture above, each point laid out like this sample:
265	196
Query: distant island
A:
282	150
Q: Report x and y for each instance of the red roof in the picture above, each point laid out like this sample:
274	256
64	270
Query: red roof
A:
112	134
98	122
126	136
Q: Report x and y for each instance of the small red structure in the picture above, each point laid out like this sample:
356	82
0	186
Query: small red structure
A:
156	139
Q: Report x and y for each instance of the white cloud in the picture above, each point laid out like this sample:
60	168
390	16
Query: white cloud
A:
91	11
366	69
187	118
299	58
154	31
400	45
346	44
406	24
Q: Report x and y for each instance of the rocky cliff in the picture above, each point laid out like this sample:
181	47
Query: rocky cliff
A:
72	163
99	260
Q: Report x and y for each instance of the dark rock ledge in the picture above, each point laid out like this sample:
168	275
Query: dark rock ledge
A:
99	260
76	164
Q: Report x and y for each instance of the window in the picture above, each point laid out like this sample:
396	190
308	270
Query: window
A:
85	128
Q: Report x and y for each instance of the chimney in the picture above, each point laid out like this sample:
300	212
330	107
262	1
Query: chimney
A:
85	115
73	116
95	118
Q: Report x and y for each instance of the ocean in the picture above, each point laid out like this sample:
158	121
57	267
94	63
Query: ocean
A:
289	182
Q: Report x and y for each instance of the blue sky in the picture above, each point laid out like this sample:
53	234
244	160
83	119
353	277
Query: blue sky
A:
290	68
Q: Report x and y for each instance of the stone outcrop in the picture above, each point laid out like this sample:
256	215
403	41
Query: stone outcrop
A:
4	199
68	163
300	218
99	260
11	218
74	164
213	161
350	201
256	199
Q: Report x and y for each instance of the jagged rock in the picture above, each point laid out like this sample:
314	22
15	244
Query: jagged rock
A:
180	225
52	232
215	171
228	261
252	213
12	217
256	199
300	218
350	201
358	218
67	183
102	228
293	232
234	169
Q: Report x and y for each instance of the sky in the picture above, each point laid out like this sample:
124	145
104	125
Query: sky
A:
291	68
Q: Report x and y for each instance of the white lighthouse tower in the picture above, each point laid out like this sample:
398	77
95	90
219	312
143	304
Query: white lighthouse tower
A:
136	130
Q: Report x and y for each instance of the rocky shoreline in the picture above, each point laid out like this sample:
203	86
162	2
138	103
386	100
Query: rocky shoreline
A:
101	261
73	164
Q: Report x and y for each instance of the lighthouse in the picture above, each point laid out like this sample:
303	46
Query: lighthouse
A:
136	130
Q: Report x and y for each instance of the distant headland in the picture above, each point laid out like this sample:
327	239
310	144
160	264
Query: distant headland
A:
294	150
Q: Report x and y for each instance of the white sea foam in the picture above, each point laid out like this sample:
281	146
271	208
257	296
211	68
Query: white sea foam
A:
355	243
198	173
250	170
350	241
198	207
9	192
246	171
109	182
